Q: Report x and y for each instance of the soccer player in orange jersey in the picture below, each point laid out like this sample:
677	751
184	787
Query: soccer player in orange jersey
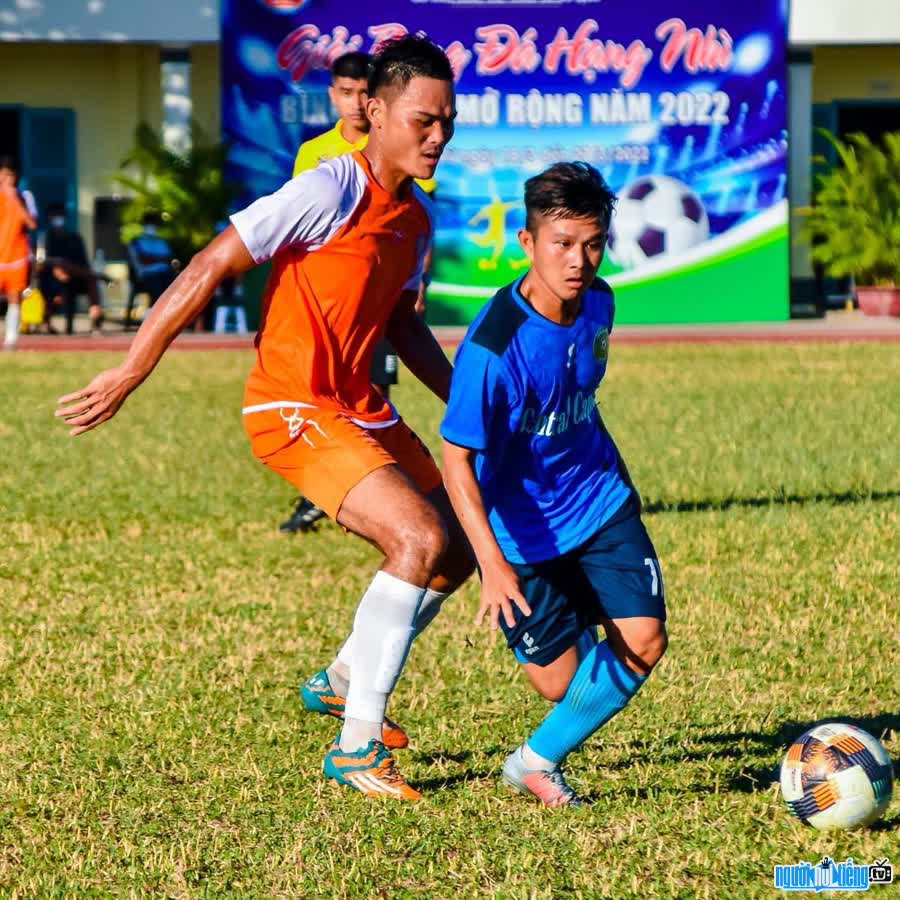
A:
15	253
347	241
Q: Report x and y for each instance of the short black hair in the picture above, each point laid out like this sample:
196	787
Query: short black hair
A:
8	162
351	65
152	217
568	190
56	209
398	61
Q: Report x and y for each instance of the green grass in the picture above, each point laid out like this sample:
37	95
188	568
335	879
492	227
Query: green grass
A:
154	625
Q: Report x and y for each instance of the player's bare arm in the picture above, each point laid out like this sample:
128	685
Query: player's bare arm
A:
499	583
100	400
417	346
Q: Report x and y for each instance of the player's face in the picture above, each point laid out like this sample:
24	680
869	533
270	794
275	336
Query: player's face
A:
415	124
349	97
565	253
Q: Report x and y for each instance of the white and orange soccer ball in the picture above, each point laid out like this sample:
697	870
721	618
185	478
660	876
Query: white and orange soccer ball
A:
836	776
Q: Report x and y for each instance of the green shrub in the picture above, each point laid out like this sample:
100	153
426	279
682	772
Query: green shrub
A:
188	189
854	224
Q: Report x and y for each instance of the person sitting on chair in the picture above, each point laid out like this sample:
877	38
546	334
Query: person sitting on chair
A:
66	273
151	261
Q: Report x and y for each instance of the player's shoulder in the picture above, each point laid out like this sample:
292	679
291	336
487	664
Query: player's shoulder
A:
335	183
599	299
497	324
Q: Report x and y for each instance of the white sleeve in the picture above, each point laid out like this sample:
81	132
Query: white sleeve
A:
424	243
30	204
306	212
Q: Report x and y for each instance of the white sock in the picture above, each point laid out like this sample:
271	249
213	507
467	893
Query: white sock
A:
12	324
339	670
534	760
383	629
428	609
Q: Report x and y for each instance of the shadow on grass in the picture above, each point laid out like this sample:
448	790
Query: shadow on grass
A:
440	756
445	781
749	749
689	506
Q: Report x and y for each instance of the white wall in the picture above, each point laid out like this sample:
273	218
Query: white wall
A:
148	21
844	22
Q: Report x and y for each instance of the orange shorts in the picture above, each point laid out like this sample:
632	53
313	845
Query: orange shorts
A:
324	454
13	278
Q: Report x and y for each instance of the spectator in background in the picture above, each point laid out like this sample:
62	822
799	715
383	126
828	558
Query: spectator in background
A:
151	261
15	223
66	273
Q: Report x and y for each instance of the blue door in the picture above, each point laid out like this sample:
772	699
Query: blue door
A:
47	159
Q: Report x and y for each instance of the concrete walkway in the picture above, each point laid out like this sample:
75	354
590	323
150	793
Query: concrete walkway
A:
837	326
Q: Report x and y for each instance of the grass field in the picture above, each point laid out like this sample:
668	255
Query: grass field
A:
154	626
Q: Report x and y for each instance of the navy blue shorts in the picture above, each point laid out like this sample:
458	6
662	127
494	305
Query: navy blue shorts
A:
613	575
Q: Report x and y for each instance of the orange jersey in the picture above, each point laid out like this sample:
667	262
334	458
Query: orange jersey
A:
13	238
343	251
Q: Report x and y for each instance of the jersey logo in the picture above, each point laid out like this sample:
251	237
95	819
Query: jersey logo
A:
601	345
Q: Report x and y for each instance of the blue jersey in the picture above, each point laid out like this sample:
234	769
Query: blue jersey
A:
522	396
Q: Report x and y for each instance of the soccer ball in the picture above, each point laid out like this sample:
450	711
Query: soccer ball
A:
656	217
836	776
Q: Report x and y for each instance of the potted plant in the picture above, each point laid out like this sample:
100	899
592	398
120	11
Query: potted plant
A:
187	188
854	224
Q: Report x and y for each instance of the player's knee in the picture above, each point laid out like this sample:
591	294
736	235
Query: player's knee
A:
646	648
419	546
554	687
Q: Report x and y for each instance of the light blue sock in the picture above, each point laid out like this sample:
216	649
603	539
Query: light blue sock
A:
586	642
600	687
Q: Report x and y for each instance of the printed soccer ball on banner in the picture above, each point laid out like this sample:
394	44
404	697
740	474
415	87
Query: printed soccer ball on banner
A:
836	776
656	217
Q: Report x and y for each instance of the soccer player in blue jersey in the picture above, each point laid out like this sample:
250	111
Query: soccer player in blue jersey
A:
541	490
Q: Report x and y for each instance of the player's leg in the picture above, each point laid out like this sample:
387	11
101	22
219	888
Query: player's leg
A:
383	368
548	644
95	307
13	318
14	278
413	541
325	691
355	479
619	572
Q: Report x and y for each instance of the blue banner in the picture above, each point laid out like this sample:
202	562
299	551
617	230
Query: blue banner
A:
681	105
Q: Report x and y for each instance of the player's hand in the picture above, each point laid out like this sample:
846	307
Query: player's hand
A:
100	400
499	590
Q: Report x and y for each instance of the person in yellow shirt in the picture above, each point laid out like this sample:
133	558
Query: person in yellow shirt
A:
348	92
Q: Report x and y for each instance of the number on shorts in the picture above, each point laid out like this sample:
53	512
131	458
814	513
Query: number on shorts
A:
654	574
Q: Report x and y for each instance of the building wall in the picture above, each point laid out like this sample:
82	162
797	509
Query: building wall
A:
856	73
814	22
110	87
205	87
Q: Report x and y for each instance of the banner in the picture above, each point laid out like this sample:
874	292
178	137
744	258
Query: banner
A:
679	103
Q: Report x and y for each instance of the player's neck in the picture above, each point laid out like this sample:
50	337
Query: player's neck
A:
392	180
350	134
542	300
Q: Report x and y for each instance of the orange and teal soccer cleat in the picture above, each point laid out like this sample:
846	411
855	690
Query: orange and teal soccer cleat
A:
319	696
371	770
